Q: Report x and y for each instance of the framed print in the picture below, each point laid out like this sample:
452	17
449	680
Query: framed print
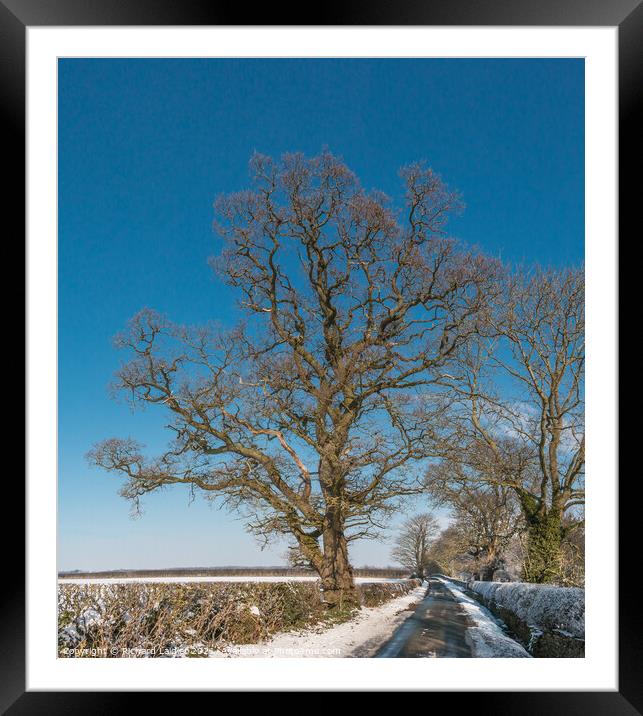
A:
306	380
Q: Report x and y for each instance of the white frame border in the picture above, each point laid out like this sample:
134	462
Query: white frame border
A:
598	670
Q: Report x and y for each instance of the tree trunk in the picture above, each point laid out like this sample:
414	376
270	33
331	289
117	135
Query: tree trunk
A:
338	587
486	574
544	536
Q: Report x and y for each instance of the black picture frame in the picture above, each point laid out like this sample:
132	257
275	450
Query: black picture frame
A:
17	15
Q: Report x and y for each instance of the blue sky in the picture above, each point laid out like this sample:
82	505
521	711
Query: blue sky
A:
144	147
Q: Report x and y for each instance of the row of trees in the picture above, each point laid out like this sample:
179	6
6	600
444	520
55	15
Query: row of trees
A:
488	542
516	450
377	359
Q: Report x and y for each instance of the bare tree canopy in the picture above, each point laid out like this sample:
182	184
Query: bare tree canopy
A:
310	416
516	412
413	543
486	517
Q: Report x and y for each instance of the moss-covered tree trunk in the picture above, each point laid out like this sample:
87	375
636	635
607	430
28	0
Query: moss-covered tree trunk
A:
542	563
487	571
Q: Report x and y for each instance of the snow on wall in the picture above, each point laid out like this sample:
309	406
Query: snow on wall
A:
554	609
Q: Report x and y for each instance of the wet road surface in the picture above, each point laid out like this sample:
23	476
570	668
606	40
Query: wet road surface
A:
436	629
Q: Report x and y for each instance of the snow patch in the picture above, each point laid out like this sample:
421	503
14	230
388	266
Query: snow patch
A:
486	637
359	637
191	579
87	619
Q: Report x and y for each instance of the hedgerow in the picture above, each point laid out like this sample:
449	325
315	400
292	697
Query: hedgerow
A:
190	619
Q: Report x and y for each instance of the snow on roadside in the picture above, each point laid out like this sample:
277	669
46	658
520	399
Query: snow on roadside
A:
359	637
486	637
191	579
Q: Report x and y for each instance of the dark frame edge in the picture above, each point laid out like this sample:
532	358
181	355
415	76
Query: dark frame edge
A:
628	15
348	12
630	58
12	113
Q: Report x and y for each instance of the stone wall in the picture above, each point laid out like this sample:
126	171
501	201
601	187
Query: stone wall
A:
548	620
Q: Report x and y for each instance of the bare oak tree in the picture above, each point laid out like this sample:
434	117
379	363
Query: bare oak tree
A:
413	542
309	416
517	416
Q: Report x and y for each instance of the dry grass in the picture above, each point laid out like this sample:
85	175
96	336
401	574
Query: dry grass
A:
379	592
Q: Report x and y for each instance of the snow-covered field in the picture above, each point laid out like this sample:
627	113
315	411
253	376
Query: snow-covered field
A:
205	579
360	637
486	637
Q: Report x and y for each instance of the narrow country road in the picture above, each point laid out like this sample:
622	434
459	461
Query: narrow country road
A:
436	629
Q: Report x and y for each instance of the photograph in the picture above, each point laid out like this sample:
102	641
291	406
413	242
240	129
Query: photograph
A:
321	358
307	303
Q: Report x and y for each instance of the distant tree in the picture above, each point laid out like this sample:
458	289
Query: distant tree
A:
296	559
310	417
516	410
486	517
448	553
413	542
